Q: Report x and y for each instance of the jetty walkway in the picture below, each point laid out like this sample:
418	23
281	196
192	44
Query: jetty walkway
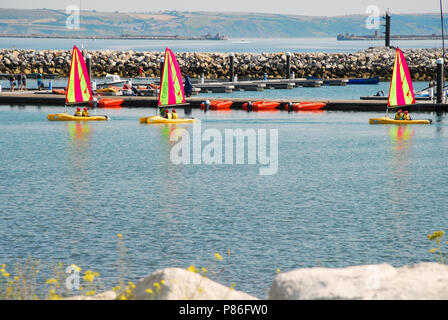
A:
49	99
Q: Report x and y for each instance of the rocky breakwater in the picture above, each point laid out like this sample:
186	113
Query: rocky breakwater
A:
372	62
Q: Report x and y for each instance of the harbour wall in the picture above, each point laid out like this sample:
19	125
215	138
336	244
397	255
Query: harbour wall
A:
371	62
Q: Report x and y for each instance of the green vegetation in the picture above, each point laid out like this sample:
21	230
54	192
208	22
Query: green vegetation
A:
231	24
437	237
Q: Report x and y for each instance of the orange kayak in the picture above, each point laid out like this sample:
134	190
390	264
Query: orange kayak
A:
307	106
219	105
58	91
261	105
110	103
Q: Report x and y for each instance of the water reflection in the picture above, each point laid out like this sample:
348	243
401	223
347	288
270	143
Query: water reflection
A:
80	138
401	138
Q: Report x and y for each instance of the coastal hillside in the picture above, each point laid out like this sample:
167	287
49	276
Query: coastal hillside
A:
192	24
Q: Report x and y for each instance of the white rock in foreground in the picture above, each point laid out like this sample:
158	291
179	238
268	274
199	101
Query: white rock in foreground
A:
108	295
180	284
420	281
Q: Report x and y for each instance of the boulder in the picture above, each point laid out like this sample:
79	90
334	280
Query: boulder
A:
108	295
371	282
180	284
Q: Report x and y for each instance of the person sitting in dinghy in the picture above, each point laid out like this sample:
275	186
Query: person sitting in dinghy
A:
406	116
167	114
174	114
78	112
85	112
399	115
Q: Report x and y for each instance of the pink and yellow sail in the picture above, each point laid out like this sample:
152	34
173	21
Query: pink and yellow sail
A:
171	84
78	89
401	91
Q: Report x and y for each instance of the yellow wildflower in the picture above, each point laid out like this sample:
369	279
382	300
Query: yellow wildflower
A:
16	278
277	270
433	250
5	274
157	285
90	276
162	282
204	270
149	291
52	281
218	256
90	293
119	235
3	265
192	268
131	285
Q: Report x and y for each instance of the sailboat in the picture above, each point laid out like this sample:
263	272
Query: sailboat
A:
171	91
78	90
401	92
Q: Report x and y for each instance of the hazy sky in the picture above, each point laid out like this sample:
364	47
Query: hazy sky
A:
302	7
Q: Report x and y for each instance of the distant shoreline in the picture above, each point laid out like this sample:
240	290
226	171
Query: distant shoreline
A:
122	37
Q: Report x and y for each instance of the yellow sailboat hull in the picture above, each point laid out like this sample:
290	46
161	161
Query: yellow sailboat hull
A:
387	120
158	119
68	117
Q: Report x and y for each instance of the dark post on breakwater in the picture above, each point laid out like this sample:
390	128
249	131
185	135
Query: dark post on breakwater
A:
387	32
288	65
89	65
232	66
440	82
161	67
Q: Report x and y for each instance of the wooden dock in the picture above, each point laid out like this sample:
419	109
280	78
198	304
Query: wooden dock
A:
48	99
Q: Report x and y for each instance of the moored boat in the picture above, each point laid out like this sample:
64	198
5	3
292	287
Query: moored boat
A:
110	103
220	105
260	105
374	80
307	106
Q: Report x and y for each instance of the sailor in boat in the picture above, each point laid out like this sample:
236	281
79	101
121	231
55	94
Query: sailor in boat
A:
167	114
406	116
174	114
85	112
399	115
78	112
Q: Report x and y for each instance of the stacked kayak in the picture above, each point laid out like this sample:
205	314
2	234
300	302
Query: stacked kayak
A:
159	119
387	120
68	117
111	89
306	106
58	91
260	106
110	103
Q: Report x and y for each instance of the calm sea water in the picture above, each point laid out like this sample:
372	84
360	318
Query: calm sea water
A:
346	193
231	45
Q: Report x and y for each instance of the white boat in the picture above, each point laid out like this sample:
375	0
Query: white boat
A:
113	80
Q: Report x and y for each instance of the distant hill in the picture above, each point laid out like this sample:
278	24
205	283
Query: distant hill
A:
231	24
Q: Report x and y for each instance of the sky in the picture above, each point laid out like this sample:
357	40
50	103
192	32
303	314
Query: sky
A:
300	7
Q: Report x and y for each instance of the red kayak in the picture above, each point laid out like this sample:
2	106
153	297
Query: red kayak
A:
262	105
110	103
307	106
